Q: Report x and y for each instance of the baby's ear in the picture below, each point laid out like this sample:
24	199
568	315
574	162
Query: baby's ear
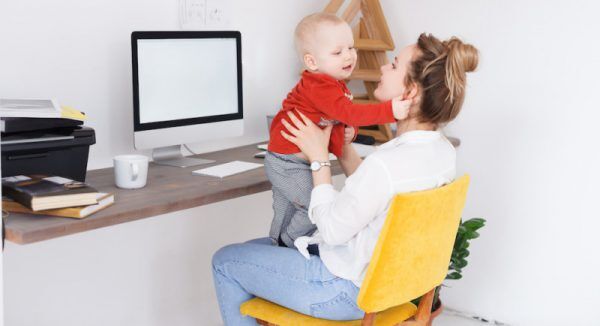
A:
310	62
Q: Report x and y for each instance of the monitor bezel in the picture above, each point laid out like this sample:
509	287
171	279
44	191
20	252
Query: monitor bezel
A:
139	35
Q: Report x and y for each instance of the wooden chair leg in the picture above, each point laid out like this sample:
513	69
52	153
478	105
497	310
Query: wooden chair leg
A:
368	319
423	315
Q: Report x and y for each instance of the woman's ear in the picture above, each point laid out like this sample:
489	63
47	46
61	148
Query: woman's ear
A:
310	62
411	92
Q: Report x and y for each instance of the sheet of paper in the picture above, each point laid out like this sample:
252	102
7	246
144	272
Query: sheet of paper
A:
16	178
227	169
29	108
58	180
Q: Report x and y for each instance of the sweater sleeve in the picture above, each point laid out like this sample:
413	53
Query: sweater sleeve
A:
329	99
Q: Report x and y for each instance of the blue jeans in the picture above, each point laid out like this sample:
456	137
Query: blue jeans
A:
283	276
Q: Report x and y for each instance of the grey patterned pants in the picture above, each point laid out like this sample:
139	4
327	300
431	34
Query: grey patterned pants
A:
292	182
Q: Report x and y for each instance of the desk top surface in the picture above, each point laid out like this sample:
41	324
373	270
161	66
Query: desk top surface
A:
168	189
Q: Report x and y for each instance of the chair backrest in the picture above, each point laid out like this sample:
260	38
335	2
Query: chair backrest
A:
413	251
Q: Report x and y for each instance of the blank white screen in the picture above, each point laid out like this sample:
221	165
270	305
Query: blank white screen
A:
186	78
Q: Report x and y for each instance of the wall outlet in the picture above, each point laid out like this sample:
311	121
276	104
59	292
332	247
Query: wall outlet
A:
192	14
217	14
202	14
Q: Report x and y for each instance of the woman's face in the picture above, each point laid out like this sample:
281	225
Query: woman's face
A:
393	74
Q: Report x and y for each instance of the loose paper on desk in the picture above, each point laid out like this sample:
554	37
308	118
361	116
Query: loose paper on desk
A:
26	108
227	169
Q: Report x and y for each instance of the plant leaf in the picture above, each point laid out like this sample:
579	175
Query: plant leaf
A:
474	224
472	235
467	230
461	263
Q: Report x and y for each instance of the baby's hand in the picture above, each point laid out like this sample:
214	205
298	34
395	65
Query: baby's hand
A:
348	135
400	108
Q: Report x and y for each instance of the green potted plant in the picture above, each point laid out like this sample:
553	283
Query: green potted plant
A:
467	231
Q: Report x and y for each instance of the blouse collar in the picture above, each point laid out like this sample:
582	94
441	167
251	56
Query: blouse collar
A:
412	136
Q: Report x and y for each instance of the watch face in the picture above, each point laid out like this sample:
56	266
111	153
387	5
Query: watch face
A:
315	166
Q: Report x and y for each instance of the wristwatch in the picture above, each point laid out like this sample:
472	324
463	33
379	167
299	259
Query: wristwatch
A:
316	165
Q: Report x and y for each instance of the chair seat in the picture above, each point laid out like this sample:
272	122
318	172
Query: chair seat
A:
278	315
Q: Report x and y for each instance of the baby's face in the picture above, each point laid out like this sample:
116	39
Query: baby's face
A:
334	51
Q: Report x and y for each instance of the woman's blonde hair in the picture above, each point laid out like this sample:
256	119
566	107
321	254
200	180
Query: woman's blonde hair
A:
440	69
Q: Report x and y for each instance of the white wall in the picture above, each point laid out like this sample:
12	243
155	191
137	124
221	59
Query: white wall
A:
151	272
154	271
527	142
79	53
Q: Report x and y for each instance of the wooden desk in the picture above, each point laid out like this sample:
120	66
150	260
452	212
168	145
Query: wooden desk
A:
168	189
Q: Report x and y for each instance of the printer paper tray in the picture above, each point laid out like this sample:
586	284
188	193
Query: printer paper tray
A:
24	140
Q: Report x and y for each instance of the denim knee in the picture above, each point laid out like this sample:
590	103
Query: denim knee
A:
224	255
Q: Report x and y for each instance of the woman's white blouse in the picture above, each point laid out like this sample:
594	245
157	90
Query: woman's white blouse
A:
349	221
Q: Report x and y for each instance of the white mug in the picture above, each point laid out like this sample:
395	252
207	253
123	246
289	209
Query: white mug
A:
131	171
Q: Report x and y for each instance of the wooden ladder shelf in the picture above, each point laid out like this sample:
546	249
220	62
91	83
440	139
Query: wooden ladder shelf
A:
372	40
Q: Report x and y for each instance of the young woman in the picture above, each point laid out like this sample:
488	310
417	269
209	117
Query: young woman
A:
430	73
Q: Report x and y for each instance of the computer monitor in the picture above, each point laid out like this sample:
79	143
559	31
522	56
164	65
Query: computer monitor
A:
187	87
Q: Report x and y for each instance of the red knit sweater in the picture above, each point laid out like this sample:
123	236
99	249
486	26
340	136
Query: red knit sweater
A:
319	96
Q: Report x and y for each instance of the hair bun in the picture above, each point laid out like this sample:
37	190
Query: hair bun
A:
440	69
463	54
460	59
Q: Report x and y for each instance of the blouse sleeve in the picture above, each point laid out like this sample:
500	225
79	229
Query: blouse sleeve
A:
339	216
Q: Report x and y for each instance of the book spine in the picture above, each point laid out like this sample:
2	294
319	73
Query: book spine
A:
14	207
18	196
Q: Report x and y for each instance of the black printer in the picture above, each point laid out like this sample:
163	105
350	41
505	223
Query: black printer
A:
45	146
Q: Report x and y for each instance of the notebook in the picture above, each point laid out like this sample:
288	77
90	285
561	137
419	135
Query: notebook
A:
41	192
227	169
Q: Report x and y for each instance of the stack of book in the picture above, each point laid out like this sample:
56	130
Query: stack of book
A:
52	195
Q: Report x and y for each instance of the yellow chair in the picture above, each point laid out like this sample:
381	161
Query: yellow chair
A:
410	259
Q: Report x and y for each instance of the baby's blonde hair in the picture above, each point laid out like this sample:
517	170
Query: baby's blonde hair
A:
308	27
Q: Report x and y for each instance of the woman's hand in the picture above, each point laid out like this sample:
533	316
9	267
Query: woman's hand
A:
312	140
400	107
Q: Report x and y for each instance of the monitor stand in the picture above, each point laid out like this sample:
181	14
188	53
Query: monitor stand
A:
171	155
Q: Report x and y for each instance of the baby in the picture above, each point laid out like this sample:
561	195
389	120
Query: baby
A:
326	45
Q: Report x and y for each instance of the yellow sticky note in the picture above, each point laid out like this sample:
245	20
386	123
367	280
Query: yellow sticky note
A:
70	113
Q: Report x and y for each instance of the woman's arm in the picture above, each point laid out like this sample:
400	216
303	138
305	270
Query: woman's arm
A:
339	216
312	141
350	159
